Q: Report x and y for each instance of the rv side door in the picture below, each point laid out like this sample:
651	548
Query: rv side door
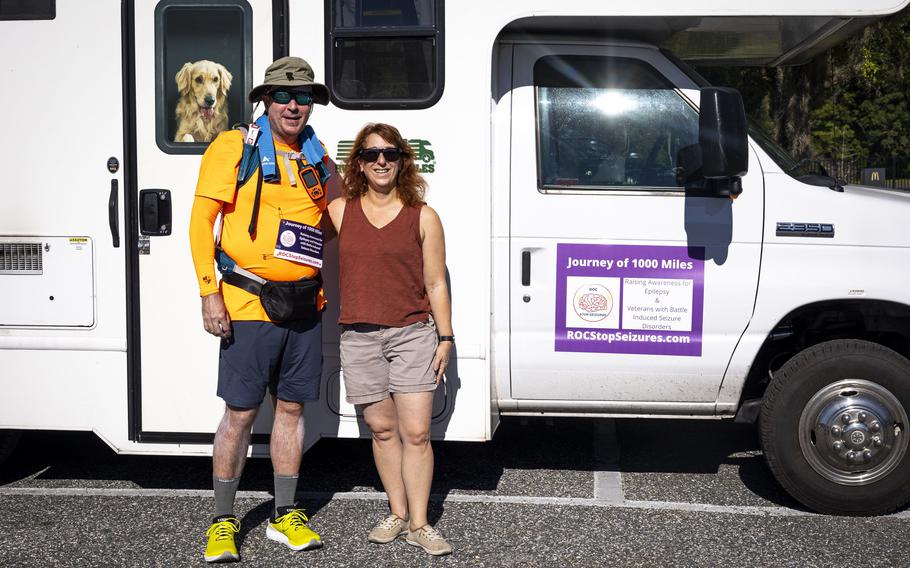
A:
624	285
195	61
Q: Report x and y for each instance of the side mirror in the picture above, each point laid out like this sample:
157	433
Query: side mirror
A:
723	140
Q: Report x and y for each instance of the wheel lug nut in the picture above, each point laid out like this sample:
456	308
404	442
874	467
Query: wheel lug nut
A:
836	431
838	446
867	455
876	441
851	456
861	417
845	418
875	426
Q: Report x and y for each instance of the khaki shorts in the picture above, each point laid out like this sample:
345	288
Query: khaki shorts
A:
378	360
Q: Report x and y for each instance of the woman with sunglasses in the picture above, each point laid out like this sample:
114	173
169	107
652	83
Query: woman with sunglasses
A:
394	299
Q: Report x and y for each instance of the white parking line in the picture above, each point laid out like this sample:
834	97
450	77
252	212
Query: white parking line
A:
607	477
751	510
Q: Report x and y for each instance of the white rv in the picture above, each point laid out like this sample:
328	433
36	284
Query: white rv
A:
599	264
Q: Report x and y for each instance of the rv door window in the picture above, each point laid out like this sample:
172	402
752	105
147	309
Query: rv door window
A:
383	13
365	36
203	70
611	123
28	9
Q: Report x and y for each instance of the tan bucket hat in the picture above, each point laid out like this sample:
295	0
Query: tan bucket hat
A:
290	72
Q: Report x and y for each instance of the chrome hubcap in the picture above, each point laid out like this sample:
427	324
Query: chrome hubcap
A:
852	432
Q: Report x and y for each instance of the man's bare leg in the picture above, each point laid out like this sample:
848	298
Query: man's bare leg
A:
287	450
232	440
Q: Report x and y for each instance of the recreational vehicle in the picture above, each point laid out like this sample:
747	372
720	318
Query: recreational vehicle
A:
621	243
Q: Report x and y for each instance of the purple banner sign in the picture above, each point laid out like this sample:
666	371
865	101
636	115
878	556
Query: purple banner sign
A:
645	300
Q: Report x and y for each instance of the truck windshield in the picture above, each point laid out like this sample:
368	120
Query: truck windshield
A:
805	170
802	170
780	156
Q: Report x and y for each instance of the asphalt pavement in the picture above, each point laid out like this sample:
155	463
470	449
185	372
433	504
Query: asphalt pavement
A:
562	492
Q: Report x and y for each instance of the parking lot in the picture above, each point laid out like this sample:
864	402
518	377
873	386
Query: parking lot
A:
566	492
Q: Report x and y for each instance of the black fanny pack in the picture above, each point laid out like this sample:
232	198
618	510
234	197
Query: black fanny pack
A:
282	301
290	301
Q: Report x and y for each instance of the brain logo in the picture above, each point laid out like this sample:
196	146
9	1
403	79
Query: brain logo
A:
593	302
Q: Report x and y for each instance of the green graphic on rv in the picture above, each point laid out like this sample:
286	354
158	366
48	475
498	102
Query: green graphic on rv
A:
424	157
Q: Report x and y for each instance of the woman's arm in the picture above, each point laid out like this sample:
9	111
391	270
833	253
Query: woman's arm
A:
331	223
434	279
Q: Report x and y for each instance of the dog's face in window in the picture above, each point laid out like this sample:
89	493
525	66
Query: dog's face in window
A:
202	98
206	81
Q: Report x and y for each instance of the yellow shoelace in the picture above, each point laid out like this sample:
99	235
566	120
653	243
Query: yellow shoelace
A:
295	518
223	530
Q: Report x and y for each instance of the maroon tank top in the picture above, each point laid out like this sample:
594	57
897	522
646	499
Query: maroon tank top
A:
381	270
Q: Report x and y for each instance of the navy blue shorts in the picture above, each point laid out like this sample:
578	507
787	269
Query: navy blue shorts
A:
286	358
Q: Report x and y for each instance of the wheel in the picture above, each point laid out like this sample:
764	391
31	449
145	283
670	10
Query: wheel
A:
833	427
8	441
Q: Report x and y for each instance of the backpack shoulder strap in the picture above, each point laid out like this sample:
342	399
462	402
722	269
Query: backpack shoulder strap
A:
249	165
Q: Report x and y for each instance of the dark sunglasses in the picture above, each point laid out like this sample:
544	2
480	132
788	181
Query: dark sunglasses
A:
284	97
372	154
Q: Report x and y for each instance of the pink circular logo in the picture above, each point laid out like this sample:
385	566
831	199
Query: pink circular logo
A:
593	302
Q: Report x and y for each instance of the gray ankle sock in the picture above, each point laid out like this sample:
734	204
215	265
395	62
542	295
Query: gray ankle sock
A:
225	490
285	490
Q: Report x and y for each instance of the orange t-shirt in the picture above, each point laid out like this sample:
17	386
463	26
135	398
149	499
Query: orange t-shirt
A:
218	181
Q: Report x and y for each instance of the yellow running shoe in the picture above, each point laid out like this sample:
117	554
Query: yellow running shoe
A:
221	547
290	529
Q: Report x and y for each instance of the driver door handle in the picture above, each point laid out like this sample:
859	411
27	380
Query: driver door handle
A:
525	268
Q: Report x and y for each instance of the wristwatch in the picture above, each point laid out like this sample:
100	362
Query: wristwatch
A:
447	338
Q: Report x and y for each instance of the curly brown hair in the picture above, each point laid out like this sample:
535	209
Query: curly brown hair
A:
411	185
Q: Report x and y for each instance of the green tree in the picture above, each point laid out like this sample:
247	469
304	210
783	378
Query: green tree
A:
850	103
832	131
866	95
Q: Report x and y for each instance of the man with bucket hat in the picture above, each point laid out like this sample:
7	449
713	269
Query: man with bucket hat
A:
268	181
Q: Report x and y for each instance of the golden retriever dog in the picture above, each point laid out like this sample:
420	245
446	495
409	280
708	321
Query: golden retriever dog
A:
202	101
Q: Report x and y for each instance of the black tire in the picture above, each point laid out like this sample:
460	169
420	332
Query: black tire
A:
9	439
831	386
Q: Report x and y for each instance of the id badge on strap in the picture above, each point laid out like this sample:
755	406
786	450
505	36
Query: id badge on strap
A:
298	242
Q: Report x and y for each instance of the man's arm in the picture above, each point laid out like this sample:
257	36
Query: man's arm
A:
215	318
